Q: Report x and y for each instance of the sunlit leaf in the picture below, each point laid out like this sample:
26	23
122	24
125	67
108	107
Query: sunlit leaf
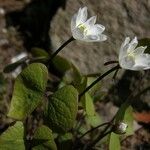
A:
88	105
62	109
28	91
114	142
13	138
43	139
94	120
128	119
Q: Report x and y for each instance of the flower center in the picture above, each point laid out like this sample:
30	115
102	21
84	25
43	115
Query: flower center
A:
131	55
82	28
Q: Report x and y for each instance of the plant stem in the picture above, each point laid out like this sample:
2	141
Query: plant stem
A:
98	79
89	147
101	136
110	62
60	48
93	129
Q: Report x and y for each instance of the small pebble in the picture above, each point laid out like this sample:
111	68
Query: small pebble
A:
2	11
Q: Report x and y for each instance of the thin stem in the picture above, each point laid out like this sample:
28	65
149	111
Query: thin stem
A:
98	79
60	48
110	62
89	147
93	129
101	136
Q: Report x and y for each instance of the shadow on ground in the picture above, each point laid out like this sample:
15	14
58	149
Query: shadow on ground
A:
33	22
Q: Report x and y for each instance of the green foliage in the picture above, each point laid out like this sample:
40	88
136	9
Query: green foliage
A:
128	119
88	105
94	120
114	142
74	77
125	114
61	64
13	138
62	109
38	52
121	112
39	55
28	91
65	141
43	139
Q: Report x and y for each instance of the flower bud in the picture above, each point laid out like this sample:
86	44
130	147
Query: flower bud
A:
120	128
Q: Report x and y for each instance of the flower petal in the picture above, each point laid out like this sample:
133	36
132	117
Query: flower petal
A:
95	38
102	37
95	30
123	48
77	34
132	45
81	16
140	50
143	61
73	22
100	27
90	22
127	63
127	40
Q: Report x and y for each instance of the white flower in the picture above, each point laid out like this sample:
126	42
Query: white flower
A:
85	29
132	57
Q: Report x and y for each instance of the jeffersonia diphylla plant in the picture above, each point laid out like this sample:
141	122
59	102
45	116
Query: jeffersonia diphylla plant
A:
51	91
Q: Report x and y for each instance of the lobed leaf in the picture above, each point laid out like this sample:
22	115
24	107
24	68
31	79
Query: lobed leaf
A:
62	109
28	91
13	138
43	139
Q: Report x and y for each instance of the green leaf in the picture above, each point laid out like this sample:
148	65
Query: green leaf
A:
61	64
62	109
74	77
38	52
86	99
88	104
128	119
77	76
145	42
94	120
65	141
125	114
43	139
11	67
121	112
114	142
28	91
39	60
13	138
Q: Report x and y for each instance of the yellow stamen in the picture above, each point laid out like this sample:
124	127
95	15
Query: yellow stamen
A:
82	28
